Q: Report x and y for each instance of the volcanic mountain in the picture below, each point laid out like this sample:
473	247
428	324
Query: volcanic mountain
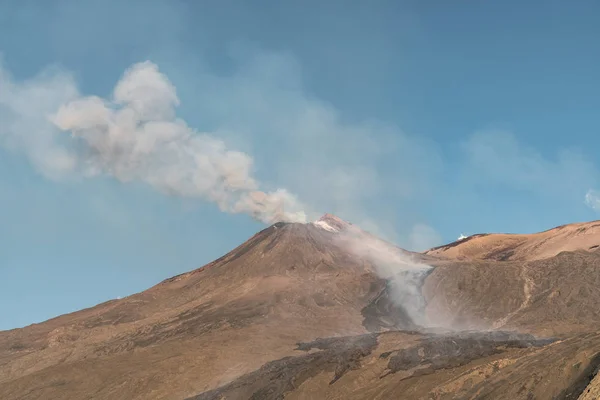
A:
515	247
327	311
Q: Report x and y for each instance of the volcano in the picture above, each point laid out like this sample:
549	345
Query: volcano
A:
325	310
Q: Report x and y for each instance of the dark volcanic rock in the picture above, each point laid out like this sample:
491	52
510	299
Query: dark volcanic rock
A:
383	313
451	351
275	378
342	354
388	311
583	380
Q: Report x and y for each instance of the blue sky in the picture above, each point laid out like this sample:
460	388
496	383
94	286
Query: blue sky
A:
418	120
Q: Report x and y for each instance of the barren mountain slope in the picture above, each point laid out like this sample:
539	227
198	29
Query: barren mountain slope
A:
231	329
552	296
522	247
286	284
400	365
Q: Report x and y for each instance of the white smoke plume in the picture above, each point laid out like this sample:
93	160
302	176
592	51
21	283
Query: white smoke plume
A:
24	125
403	273
134	136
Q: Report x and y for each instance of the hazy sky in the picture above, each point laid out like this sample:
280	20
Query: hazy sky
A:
419	120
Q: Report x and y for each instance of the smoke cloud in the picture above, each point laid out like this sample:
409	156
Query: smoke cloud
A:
24	125
134	136
403	273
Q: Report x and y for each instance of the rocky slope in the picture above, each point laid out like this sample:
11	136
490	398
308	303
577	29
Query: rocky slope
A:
523	247
190	333
326	311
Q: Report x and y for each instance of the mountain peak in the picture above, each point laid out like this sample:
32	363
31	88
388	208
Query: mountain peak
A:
332	223
583	236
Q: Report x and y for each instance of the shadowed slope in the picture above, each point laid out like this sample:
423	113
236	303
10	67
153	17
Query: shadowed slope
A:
552	296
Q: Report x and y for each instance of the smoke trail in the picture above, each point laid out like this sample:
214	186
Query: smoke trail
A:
404	274
136	136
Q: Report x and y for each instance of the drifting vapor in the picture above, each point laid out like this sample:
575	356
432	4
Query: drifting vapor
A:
24	125
402	272
136	136
404	275
592	200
